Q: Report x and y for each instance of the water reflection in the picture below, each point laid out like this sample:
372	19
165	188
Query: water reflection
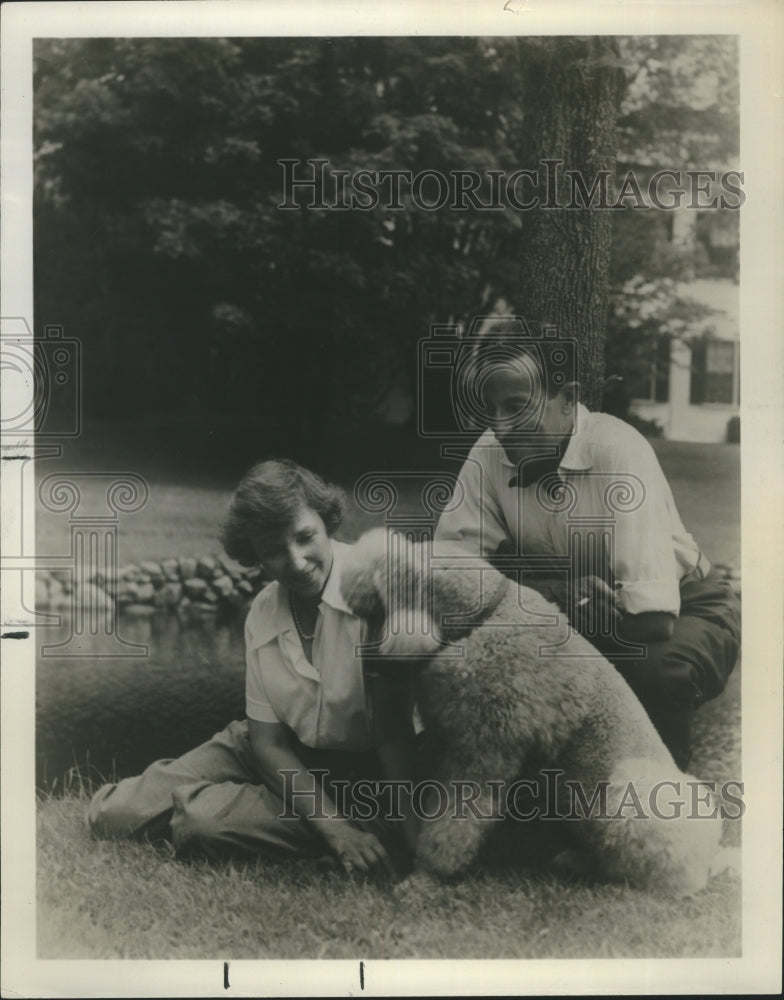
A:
111	716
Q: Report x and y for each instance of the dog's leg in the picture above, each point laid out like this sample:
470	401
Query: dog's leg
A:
463	806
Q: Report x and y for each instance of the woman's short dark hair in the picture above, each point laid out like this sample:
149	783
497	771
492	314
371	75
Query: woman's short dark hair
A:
268	499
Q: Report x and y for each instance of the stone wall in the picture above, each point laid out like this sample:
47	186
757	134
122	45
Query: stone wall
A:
190	584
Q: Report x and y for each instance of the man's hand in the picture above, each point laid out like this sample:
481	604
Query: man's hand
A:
589	603
594	607
356	850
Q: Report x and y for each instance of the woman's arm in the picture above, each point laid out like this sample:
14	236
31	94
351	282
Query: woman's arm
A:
273	753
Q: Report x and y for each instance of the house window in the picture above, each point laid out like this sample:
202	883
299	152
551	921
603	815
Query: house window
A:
653	383
714	372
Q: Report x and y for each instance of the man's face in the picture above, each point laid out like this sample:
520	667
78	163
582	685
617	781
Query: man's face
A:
521	416
301	556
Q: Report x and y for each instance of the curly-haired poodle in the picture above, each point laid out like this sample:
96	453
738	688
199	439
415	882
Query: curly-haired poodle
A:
509	707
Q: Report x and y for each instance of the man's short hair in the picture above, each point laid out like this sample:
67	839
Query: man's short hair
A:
505	340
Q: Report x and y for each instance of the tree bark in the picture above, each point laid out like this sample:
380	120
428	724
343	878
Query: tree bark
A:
573	88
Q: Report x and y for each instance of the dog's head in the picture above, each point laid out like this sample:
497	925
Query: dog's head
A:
413	598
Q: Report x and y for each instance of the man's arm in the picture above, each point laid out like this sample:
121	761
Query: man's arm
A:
273	753
473	518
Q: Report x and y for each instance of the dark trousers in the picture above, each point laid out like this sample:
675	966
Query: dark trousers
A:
677	675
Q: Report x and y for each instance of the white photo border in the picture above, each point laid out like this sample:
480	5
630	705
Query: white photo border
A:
758	23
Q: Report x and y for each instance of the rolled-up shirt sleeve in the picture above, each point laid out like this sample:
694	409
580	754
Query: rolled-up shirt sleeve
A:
257	705
473	518
644	561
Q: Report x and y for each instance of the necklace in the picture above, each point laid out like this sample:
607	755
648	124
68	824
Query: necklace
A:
302	633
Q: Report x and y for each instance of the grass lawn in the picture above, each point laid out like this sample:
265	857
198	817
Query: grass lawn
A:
128	900
184	510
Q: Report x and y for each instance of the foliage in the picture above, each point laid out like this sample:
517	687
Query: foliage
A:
680	111
160	244
157	160
682	104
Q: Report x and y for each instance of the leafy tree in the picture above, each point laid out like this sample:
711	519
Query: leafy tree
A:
680	111
160	237
160	242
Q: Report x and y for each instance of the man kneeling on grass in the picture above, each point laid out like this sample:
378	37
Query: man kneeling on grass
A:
250	789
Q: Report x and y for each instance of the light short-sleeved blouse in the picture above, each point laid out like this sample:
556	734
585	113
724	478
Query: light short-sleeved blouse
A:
323	702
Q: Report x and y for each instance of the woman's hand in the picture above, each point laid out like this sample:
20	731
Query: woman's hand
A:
356	850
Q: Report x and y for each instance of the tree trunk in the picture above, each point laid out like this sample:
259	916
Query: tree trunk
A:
573	88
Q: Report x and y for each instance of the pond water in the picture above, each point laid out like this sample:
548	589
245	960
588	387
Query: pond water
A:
113	716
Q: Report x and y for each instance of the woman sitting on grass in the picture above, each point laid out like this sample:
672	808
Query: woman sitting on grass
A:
250	789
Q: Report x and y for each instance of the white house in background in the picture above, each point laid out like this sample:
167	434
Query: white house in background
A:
694	396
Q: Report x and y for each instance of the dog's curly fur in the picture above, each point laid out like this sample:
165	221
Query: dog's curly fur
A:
507	709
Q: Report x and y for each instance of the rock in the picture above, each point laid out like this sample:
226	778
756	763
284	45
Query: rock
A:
223	585
127	593
153	572
41	593
209	596
246	587
59	600
130	573
170	569
231	569
187	568
138	610
145	592
196	588
202	608
236	600
100	579
88	595
205	567
169	595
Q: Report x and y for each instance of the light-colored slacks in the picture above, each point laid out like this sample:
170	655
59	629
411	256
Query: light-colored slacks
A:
212	802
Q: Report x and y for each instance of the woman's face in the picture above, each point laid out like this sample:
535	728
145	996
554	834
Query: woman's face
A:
301	558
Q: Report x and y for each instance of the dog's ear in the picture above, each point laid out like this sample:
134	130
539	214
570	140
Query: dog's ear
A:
410	630
465	589
384	581
363	576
